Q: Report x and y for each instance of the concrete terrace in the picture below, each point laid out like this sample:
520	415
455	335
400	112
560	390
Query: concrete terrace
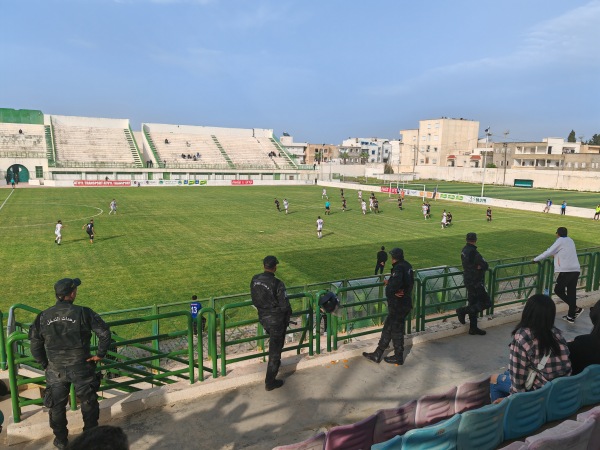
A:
235	412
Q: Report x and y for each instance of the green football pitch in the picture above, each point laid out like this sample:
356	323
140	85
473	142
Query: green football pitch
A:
167	243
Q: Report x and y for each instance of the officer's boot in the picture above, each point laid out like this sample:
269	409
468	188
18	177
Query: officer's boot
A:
473	328
375	356
398	357
462	314
270	381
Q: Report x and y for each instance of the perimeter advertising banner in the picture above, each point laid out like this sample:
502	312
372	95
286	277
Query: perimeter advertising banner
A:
241	182
96	183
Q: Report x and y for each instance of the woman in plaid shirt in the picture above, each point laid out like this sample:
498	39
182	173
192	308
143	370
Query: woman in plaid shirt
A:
533	337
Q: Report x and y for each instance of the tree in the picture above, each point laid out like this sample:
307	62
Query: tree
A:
344	156
595	140
388	169
364	156
571	137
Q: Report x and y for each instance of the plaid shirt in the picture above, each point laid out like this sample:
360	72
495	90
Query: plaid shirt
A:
524	353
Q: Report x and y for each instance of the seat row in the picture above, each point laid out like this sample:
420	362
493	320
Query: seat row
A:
463	418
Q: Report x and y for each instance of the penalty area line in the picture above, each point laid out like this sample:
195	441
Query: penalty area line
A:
3	203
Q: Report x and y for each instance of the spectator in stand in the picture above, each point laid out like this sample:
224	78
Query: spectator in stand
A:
534	337
584	350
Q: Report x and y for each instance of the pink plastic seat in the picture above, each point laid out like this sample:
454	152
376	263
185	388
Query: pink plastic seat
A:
569	434
472	395
357	436
394	422
435	408
594	415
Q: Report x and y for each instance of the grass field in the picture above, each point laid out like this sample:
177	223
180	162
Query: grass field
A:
166	244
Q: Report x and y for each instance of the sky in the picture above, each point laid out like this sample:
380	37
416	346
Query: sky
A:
320	70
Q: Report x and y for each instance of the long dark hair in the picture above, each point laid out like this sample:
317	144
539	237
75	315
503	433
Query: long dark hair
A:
595	317
539	315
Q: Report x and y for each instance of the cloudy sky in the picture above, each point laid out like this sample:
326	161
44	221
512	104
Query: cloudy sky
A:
321	70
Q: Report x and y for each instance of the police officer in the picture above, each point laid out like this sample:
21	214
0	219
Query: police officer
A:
381	260
60	342
474	268
274	312
398	291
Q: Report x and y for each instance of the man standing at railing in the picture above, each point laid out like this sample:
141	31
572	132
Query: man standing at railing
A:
60	342
398	291
474	268
566	265
274	311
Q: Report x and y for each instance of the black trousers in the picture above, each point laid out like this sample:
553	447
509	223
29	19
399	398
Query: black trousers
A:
275	326
393	327
478	300
379	268
566	289
58	383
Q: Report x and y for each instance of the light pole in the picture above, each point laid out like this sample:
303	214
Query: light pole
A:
487	135
505	145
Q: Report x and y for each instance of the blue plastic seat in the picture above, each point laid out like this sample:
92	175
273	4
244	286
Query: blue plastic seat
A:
591	388
441	436
526	412
565	395
483	428
394	443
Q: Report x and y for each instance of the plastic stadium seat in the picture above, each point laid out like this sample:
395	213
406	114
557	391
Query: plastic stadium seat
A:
570	434
433	408
526	412
483	428
395	421
316	442
358	436
472	394
564	398
441	436
591	388
394	443
592	414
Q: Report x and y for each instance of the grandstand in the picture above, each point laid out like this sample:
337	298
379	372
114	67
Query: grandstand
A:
184	146
82	142
62	149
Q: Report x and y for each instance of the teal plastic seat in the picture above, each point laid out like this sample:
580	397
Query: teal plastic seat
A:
394	443
483	428
526	412
441	436
565	395
591	388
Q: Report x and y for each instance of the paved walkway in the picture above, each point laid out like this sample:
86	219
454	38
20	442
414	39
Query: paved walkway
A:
333	389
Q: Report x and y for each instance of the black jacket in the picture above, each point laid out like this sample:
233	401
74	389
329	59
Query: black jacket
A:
61	335
269	295
401	278
474	266
381	256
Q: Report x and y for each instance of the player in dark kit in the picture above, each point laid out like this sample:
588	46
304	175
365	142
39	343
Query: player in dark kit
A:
89	229
277	205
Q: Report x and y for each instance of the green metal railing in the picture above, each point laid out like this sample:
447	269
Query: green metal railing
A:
144	338
232	318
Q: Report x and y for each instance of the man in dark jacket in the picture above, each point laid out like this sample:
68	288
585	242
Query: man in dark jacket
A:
474	268
398	291
60	342
381	260
274	312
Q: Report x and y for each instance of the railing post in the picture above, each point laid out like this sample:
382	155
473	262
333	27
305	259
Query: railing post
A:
13	373
2	344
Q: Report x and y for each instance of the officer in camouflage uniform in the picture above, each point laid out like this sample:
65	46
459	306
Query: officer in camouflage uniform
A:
474	268
274	312
60	342
398	291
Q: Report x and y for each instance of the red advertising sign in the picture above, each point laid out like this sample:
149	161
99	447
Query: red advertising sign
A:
96	183
241	182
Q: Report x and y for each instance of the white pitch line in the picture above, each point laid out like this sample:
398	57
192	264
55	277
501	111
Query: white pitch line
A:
11	193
